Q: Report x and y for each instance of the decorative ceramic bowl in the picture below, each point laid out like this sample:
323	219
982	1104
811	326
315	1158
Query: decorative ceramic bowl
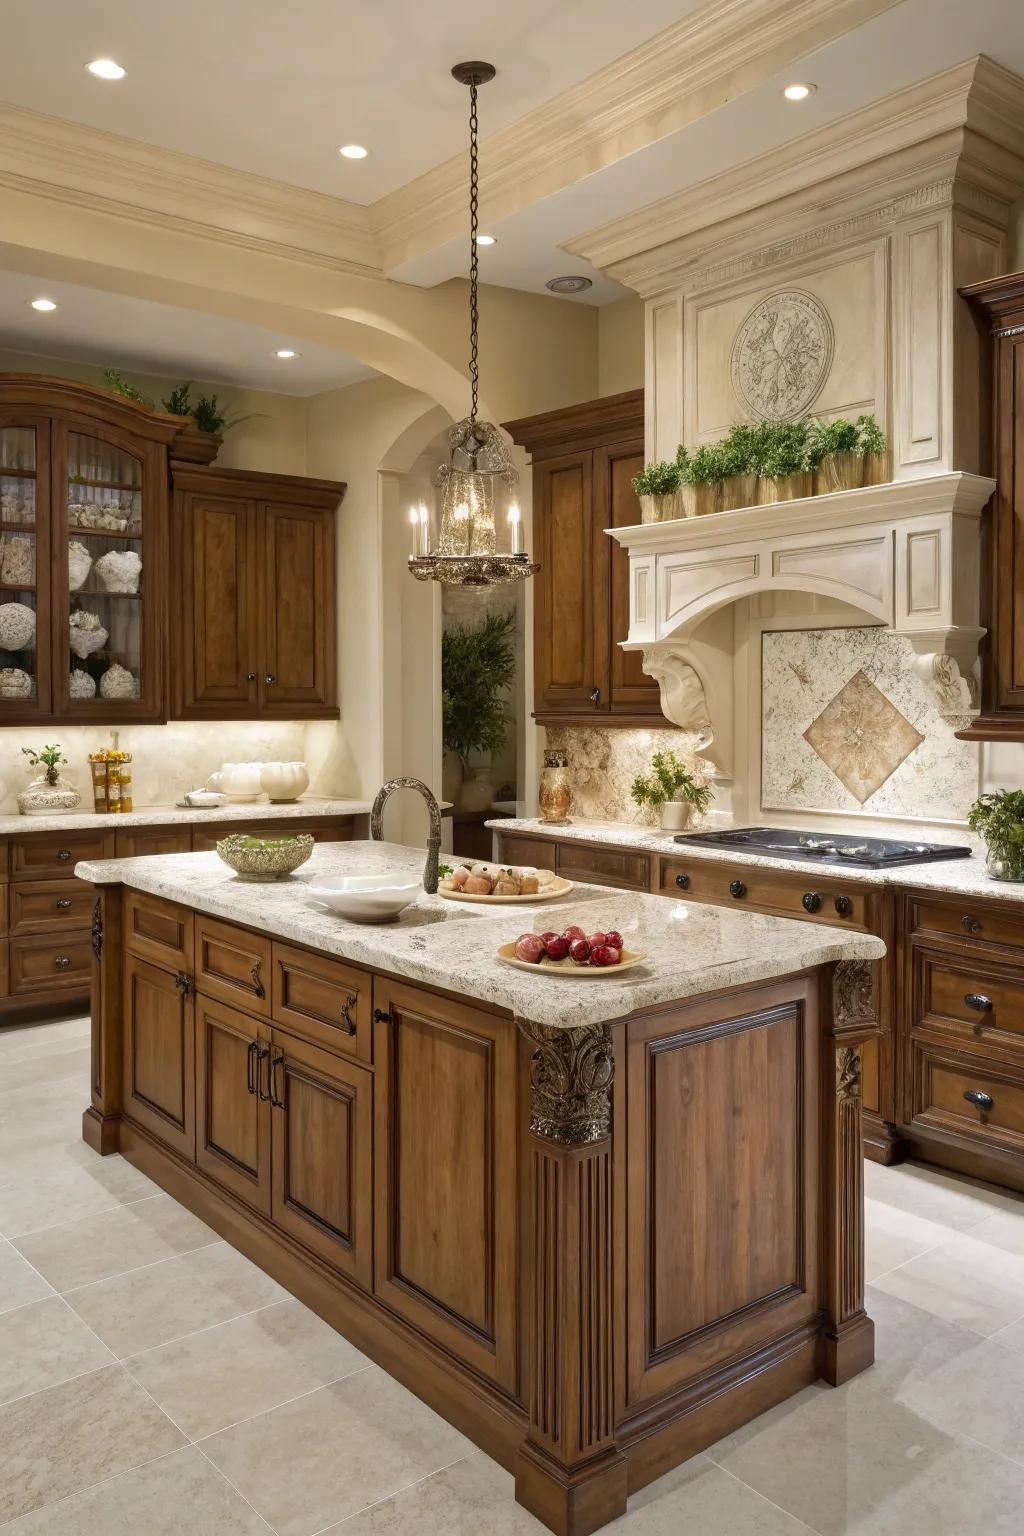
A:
41	798
264	858
284	781
369	898
17	627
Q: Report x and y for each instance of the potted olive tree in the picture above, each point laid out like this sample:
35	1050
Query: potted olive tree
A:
998	818
657	486
673	790
478	665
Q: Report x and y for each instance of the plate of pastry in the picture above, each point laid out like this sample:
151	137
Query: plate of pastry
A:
498	884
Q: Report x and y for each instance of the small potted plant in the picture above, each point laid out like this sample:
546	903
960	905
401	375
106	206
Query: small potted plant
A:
702	473
739	483
834	456
779	454
872	447
657	486
673	790
48	794
998	818
478	666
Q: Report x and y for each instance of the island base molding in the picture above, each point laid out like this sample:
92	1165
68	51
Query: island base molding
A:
543	1276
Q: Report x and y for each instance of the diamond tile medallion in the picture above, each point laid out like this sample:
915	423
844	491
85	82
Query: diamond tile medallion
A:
862	737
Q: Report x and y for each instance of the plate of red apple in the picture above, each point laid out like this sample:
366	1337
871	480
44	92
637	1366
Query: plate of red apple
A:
573	952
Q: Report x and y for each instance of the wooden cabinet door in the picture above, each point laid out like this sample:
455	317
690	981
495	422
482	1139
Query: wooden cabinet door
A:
214	635
233	1101
567	667
159	1054
322	1180
630	690
297	609
25	498
445	1173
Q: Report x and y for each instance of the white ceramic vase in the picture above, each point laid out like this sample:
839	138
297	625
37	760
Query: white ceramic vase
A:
241	781
284	781
477	791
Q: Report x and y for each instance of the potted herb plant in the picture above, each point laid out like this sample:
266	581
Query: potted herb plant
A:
49	793
739	483
657	486
673	790
872	447
478	665
998	818
702	473
780	457
834	456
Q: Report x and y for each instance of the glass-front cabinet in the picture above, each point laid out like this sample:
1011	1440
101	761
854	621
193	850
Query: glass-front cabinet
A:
83	509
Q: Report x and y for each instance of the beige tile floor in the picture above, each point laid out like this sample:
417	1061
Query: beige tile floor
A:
154	1383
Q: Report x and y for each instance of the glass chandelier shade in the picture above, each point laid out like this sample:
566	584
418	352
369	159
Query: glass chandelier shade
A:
478	480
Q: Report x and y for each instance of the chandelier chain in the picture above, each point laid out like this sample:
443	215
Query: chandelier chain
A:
474	255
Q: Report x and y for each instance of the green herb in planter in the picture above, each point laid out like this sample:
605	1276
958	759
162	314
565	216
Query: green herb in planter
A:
998	818
179	401
50	759
670	779
870	437
779	448
825	437
659	479
737	450
115	380
210	416
706	466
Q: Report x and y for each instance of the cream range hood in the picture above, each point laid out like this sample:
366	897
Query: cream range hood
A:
905	554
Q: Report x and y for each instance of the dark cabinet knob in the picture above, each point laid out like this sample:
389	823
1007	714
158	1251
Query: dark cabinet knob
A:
978	1001
63	854
63	903
270	678
683	882
62	962
250	677
970	924
978	1099
811	901
737	888
844	906
381	1016
595	696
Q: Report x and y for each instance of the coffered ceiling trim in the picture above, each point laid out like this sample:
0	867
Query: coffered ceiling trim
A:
967	122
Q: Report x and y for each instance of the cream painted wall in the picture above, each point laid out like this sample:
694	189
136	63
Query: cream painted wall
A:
620	346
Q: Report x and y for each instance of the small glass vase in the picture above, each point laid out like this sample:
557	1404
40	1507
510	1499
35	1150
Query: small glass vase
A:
555	797
999	868
46	797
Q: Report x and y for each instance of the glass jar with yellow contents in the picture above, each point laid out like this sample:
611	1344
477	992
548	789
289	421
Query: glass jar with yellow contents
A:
111	781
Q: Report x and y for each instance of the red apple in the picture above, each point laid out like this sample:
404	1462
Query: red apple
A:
614	938
557	947
530	946
604	954
573	933
579	949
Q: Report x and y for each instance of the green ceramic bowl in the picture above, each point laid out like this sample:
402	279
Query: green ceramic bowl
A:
264	858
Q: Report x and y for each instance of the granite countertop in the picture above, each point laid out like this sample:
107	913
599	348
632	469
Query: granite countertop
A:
691	948
310	807
956	877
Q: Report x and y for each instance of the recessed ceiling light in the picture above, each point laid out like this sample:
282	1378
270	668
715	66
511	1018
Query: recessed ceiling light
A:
574	284
799	91
43	305
353	151
106	69
285	352
486	239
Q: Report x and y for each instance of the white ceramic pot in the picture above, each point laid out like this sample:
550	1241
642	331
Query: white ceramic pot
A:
284	781
676	815
477	792
241	781
41	798
368	898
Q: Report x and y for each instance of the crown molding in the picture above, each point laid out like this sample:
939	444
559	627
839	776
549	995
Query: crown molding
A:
965	124
702	62
88	167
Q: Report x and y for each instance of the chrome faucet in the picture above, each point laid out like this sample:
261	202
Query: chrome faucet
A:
434	810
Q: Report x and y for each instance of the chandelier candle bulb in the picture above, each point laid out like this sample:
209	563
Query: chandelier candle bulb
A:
515	529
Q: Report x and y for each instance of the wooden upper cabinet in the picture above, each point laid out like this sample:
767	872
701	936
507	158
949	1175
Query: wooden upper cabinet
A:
255	569
584	460
998	309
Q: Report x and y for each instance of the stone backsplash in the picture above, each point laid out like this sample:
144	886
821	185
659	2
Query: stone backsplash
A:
604	762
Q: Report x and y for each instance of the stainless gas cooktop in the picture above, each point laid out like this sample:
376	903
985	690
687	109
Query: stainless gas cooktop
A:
824	847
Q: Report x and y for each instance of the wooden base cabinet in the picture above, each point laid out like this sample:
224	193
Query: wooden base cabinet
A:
159	1053
233	1102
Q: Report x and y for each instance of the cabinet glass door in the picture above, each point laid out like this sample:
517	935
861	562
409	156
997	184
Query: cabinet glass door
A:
24	570
103	578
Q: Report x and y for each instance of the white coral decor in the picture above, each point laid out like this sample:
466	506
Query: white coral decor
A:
85	633
79	565
118	683
81	685
19	562
120	570
17	627
14	683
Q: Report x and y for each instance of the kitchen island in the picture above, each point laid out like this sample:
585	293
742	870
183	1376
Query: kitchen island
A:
597	1223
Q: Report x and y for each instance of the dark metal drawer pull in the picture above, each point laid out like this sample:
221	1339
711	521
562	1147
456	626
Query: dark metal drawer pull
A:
276	1060
683	882
979	1001
737	888
250	1067
978	1099
348	1023
811	901
970	924
254	977
381	1016
63	854
63	902
262	1055
62	962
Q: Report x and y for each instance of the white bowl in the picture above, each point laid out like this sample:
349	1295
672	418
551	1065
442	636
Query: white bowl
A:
368	898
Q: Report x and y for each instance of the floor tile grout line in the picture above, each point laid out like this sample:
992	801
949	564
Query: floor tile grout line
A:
225	1322
813	1529
903	1263
138	1269
88	1487
195	1446
417	1482
53	1226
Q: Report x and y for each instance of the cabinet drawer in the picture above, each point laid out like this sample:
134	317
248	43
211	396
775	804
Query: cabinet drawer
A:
940	1082
132	845
535	852
39	906
969	922
158	930
970	1001
603	866
733	885
233	965
323	999
50	963
54	856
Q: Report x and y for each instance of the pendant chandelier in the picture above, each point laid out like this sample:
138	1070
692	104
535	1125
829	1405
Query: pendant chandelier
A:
478	482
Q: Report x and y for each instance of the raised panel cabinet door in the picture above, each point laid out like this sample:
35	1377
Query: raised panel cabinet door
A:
214	636
445	1173
568	671
322	1127
297	611
616	505
159	1054
233	1101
